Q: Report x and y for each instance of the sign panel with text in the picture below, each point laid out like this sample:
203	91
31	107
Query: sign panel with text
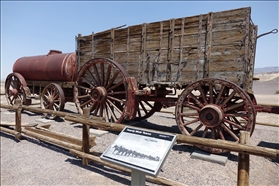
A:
140	149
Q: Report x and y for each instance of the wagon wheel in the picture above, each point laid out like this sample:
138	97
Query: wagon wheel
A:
147	108
215	108
15	88
101	86
52	98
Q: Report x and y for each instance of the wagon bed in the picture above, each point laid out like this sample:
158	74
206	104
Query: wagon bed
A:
179	51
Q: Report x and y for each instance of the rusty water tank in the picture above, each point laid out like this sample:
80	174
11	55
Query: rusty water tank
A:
55	66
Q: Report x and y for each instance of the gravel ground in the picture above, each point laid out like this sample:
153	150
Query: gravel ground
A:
33	162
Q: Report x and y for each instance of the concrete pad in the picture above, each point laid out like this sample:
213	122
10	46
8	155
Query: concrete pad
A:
97	133
206	156
43	120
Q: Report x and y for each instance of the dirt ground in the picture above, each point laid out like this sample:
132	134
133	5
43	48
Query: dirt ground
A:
34	162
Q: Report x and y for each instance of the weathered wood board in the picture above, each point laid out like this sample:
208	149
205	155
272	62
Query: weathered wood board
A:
179	51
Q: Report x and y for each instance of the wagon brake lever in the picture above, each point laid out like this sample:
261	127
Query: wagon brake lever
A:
274	31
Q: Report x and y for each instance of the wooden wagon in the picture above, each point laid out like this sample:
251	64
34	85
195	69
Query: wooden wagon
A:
202	65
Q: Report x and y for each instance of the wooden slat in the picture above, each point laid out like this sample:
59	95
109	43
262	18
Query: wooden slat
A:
142	53
208	43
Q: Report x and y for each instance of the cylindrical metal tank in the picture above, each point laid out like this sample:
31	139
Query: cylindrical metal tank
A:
55	66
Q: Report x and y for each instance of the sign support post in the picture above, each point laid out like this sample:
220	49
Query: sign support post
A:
137	178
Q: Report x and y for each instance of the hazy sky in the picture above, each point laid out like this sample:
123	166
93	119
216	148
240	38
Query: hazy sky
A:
33	28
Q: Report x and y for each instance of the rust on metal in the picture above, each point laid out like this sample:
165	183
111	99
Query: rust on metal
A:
267	108
55	66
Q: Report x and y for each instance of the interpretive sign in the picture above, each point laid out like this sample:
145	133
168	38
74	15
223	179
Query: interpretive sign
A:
139	149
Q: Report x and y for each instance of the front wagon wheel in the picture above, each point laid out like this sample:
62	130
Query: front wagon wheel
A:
215	109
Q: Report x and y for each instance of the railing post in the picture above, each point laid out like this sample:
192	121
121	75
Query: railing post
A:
243	161
18	103
85	136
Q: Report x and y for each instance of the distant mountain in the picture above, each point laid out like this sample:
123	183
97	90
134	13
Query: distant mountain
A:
266	70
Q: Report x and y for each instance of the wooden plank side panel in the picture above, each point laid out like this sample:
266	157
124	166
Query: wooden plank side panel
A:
186	53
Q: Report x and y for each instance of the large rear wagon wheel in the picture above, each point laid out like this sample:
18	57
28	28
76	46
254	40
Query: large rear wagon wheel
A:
215	109
52	97
15	88
101	86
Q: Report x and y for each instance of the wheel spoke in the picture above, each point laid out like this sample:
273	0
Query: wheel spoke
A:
204	132
196	100
96	109
213	133
147	103
210	93
202	94
101	109
219	95
84	88
220	133
237	105
229	131
93	106
143	107
84	96
189	114
88	82
116	85
111	112
192	107
86	103
102	74
228	98
115	99
106	114
196	129
190	122
139	113
114	106
107	75
237	125
97	74
112	79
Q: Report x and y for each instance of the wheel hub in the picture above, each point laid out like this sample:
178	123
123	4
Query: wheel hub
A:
14	92
99	94
50	101
211	115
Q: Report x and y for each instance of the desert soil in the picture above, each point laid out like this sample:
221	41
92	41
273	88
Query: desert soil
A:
34	162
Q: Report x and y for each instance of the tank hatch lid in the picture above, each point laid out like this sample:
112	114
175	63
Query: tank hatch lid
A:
51	52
